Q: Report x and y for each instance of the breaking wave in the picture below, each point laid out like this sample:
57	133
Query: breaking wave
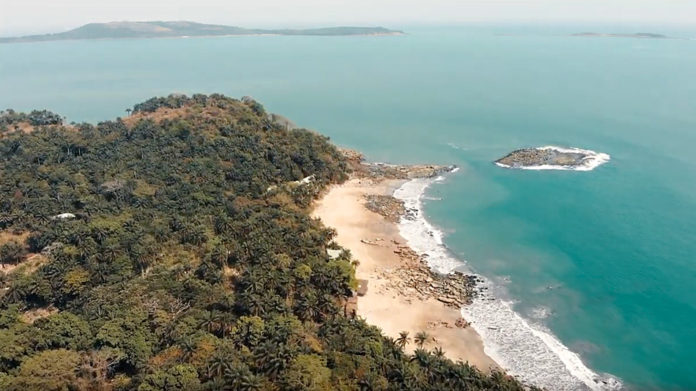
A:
527	351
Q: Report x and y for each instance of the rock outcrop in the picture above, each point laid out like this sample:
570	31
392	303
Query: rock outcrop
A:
381	171
416	279
530	157
388	206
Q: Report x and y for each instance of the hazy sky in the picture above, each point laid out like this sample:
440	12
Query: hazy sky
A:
28	16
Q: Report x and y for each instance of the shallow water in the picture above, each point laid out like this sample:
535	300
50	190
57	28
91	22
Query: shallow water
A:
607	256
524	348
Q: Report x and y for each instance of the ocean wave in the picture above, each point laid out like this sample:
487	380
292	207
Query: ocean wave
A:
540	312
420	234
529	352
592	160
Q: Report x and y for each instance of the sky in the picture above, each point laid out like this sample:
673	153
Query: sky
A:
40	16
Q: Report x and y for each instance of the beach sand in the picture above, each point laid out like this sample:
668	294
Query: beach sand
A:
342	208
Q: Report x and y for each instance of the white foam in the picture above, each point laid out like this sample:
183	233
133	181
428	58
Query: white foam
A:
455	146
590	162
541	312
420	234
529	352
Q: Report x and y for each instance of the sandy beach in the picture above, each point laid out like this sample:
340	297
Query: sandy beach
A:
375	242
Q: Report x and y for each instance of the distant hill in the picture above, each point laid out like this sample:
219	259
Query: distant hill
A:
185	29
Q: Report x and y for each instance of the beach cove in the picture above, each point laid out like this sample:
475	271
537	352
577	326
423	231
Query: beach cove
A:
402	265
375	242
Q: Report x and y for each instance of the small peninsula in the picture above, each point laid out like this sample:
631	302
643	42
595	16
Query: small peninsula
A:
203	243
185	29
553	158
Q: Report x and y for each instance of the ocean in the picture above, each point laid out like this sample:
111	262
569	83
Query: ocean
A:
590	274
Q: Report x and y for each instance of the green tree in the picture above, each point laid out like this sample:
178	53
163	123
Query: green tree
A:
178	378
129	335
12	252
403	339
421	338
62	330
14	345
307	372
51	370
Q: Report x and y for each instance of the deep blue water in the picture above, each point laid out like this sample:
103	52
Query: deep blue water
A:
610	254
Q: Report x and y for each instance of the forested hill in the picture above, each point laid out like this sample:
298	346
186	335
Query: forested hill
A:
173	250
185	29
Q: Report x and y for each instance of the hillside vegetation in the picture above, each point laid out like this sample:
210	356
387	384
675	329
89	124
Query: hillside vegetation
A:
173	250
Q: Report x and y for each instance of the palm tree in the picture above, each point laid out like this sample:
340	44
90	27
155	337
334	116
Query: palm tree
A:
403	339
225	323
16	294
210	321
272	358
4	279
219	256
111	252
188	347
250	382
254	304
216	384
326	307
222	225
239	377
216	365
421	338
438	352
426	361
101	271
306	308
100	234
422	357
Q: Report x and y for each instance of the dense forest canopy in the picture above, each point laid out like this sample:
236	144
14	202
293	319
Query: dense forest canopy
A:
173	250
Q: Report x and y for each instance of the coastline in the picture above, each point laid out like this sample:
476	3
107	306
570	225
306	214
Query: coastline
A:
385	260
379	217
524	349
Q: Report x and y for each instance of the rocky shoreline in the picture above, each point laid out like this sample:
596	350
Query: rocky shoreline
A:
415	277
397	290
384	171
455	289
388	206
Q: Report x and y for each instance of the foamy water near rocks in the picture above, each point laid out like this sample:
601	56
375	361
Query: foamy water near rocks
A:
526	350
553	158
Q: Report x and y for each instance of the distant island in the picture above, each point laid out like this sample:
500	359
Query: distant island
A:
553	158
183	29
635	35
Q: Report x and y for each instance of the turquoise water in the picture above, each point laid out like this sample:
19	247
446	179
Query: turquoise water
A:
608	256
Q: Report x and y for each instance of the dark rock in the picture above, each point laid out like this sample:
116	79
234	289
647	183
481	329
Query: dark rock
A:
531	157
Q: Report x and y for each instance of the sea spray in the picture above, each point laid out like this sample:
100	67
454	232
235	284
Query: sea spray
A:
421	236
528	351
